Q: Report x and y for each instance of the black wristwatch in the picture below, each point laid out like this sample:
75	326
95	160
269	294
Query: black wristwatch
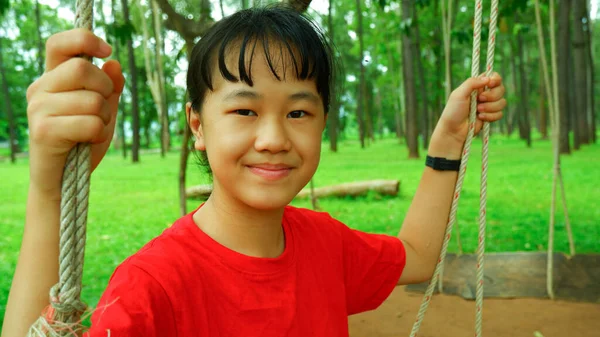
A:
442	164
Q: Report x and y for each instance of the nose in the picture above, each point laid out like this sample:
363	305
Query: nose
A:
271	135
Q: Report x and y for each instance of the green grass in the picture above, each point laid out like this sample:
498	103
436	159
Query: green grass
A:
130	204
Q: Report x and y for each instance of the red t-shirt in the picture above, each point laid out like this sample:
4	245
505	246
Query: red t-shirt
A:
183	283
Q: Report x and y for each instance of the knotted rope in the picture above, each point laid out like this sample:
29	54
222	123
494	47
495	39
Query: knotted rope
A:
63	316
462	172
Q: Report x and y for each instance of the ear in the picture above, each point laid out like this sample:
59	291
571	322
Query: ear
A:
195	124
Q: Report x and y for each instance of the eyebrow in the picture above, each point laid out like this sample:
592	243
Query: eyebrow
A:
304	95
242	93
250	94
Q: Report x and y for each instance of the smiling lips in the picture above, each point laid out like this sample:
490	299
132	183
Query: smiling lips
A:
271	171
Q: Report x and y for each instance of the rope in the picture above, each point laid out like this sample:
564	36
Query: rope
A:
62	317
462	172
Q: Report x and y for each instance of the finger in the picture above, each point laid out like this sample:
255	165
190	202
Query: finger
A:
72	103
492	106
467	87
72	43
490	116
67	129
495	80
77	74
493	94
113	69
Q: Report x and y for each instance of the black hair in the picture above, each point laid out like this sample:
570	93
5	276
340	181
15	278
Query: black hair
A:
275	26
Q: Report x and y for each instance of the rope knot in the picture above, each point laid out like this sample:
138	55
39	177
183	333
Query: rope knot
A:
65	306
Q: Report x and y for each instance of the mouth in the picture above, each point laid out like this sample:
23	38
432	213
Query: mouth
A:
271	172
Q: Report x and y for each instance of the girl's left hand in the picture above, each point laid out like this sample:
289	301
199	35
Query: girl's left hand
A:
451	130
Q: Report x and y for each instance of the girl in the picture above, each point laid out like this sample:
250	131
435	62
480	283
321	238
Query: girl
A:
244	263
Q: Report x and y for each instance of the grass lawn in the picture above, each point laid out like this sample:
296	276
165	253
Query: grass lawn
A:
130	204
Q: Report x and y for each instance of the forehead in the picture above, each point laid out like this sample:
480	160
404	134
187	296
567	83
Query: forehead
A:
245	60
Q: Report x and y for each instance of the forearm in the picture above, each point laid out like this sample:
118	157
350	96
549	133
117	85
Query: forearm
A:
37	267
425	223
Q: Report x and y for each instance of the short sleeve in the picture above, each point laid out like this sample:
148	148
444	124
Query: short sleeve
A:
373	264
134	304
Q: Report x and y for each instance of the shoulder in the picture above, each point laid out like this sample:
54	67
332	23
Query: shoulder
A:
170	257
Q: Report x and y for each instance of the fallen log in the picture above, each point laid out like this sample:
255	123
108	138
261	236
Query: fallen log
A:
383	187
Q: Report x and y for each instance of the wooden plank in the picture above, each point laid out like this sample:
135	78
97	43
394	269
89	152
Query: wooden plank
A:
522	274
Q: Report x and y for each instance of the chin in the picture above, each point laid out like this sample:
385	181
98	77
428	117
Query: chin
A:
265	201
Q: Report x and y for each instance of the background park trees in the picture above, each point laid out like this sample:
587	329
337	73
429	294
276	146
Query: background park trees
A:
399	61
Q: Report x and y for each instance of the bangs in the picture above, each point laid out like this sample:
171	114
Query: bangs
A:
291	45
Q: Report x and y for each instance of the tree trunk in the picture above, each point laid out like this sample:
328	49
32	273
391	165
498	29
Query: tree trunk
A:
40	41
514	109
121	116
158	52
563	74
591	83
447	15
409	82
222	9
580	69
334	115
424	111
135	110
543	111
245	4
573	113
12	128
396	95
361	82
524	124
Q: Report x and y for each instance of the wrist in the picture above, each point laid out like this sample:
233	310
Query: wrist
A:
444	145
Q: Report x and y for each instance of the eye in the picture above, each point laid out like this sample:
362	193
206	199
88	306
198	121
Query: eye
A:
245	112
297	114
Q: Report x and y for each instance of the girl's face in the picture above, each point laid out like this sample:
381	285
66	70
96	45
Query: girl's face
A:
263	142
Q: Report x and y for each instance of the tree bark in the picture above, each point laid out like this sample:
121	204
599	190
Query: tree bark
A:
424	111
158	51
361	81
40	41
12	128
135	110
446	33
543	114
592	78
333	118
524	125
409	81
563	74
122	115
580	70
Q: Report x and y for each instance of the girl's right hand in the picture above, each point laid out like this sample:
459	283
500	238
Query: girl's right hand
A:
73	102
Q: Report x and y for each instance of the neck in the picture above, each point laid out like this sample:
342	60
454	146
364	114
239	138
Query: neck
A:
241	228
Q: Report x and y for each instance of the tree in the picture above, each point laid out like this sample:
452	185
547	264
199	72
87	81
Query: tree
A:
8	106
333	117
563	73
135	110
580	72
424	111
409	79
360	108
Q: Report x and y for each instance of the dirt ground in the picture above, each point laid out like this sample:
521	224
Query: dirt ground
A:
452	316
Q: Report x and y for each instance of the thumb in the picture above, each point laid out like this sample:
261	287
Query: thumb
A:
467	87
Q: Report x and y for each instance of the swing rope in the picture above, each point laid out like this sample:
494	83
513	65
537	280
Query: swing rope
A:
63	316
462	172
